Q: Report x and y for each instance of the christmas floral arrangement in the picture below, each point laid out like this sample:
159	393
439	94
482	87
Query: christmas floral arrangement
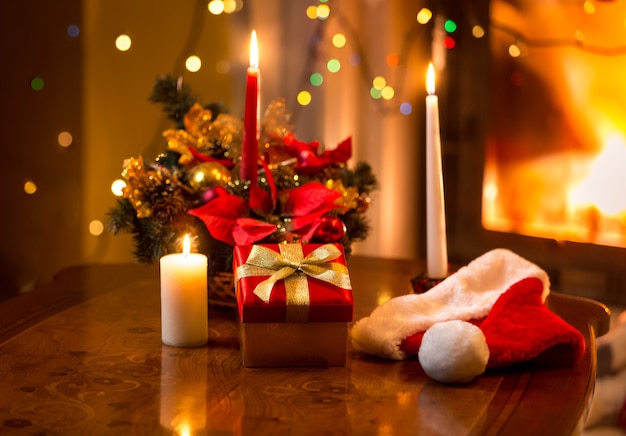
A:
303	193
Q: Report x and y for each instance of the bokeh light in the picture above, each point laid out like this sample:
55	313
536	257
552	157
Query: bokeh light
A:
333	65
222	67
311	12
73	31
379	82
387	93
392	60
449	42
123	42
323	12
339	40
589	7
30	187
36	84
216	7
354	59
579	35
316	79
478	31
424	16
406	108
449	26
304	98
375	93
117	187
65	139
96	227
514	51
231	6
193	64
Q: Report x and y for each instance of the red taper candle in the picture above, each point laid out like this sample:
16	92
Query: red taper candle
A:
250	148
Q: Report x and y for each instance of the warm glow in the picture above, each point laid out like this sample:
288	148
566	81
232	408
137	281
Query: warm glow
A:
186	245
606	173
430	79
254	51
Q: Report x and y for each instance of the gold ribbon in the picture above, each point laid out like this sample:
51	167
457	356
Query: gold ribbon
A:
291	265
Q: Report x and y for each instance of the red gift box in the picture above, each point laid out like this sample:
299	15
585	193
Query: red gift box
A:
295	303
327	302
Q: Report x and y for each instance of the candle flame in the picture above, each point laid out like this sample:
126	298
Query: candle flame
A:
430	79
254	51
186	245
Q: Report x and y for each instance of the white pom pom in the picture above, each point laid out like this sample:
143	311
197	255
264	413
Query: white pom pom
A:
453	352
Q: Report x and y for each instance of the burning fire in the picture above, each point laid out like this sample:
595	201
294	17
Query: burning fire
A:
556	154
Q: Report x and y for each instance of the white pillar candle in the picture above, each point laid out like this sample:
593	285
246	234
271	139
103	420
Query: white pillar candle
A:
436	243
184	305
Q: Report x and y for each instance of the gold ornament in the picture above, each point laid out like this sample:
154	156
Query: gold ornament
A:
208	175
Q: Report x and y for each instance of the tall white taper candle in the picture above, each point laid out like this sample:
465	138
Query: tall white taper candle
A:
436	241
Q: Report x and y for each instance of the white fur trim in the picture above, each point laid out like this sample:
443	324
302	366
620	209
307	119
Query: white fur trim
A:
467	294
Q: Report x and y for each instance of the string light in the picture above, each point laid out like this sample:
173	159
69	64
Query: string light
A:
65	139
577	41
339	40
96	227
193	64
316	79
333	65
36	84
216	7
424	16
30	187
117	187
123	42
73	31
304	98
478	31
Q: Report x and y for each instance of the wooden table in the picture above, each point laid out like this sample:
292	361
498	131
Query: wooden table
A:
83	355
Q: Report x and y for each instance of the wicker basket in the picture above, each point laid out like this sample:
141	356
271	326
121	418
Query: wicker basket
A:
222	290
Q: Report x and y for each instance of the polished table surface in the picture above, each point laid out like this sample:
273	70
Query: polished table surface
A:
83	355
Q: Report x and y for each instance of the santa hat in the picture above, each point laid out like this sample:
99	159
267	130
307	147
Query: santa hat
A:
489	313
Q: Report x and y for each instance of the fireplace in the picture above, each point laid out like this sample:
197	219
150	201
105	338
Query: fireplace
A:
534	139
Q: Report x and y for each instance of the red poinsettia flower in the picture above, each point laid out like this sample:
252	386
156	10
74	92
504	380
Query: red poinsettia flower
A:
307	203
309	161
226	220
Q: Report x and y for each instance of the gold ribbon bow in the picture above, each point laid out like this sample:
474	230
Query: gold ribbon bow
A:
291	265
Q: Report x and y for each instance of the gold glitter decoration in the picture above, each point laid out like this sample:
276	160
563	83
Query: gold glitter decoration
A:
180	141
226	132
277	119
220	138
138	181
349	195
